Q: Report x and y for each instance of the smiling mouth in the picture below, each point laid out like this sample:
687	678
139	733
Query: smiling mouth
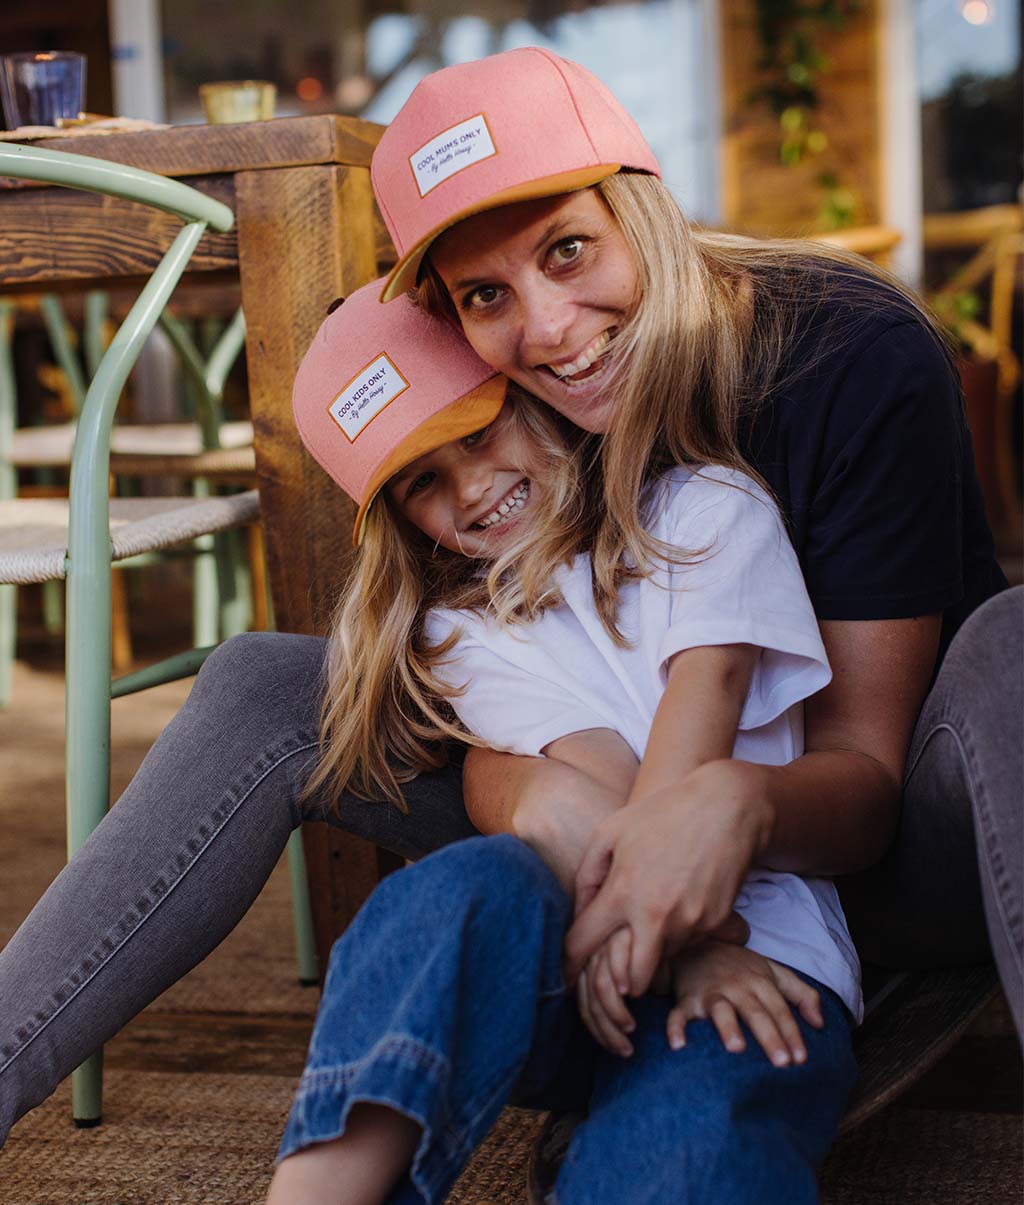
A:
508	508
586	364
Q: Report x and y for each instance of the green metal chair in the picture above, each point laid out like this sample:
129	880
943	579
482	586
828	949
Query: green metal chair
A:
203	454
78	539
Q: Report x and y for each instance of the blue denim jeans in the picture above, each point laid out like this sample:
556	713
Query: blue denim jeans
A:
445	1000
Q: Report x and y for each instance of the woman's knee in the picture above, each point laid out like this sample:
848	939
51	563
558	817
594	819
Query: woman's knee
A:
263	673
983	662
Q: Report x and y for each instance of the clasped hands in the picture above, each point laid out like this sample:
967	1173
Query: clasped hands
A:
654	897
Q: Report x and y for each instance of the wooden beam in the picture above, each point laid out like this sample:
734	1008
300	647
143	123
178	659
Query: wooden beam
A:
83	238
760	194
199	150
331	251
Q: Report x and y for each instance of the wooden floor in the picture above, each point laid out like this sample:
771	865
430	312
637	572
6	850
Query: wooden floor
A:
198	1086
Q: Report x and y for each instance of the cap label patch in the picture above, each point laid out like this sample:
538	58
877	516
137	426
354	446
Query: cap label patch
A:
456	148
366	395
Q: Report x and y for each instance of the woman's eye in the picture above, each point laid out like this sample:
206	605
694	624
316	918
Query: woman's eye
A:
566	250
480	298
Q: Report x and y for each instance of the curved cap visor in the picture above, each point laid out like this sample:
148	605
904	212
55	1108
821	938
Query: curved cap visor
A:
471	413
405	274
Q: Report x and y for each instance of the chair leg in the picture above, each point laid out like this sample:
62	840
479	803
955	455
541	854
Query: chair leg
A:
53	608
260	584
205	594
122	654
233	581
302	915
87	1092
87	739
8	639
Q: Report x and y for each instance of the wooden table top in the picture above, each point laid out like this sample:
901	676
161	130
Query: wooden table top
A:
197	150
59	238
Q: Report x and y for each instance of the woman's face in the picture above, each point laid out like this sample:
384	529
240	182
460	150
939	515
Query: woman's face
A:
472	494
541	287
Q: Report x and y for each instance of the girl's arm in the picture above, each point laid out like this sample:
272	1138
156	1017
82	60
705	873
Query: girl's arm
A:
698	714
581	779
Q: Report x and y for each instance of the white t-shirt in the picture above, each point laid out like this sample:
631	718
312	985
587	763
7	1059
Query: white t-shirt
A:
525	686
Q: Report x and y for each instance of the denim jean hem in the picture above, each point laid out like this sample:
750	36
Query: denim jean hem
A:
402	1074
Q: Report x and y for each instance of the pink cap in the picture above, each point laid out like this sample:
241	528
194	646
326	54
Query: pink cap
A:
381	386
510	127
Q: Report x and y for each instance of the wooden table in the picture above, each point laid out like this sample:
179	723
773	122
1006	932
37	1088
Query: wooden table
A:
306	232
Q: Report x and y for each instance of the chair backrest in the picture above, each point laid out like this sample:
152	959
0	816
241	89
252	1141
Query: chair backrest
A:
91	460
209	375
88	576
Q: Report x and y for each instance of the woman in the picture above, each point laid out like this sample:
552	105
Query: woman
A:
894	559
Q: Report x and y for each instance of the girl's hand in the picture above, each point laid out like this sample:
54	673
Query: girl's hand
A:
729	984
600	990
669	867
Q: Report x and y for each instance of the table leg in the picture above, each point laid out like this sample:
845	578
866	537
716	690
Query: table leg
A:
305	237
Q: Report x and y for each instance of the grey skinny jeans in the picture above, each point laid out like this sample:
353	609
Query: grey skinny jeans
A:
183	854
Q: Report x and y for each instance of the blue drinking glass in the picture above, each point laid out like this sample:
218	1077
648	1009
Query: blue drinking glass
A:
39	88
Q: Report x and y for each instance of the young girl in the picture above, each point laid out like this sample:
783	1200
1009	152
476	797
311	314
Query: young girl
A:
475	611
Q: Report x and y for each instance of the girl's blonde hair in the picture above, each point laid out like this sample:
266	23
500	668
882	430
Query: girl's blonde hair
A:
384	716
714	319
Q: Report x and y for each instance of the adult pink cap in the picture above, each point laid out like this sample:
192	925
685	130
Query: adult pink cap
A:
381	386
511	127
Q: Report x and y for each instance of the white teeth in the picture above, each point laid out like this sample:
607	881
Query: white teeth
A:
514	501
584	360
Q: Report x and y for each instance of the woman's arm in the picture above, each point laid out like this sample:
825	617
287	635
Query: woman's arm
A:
834	810
666	867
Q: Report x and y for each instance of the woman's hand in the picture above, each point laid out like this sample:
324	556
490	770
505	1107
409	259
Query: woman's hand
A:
729	984
669	867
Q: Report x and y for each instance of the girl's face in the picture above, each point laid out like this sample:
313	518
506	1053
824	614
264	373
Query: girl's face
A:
541	288
471	494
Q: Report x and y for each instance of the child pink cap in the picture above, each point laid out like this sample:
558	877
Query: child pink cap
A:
381	386
511	127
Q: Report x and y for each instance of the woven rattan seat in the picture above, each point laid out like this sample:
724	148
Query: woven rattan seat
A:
221	462
178	448
34	531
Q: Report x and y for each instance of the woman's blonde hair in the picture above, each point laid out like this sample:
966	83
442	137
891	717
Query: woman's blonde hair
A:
704	347
384	716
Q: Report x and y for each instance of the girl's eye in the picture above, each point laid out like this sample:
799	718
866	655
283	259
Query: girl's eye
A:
419	483
470	441
566	250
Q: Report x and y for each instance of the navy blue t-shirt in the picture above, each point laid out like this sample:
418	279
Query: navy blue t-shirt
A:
865	444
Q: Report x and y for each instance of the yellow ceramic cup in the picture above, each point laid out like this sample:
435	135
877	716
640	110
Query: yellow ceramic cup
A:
237	100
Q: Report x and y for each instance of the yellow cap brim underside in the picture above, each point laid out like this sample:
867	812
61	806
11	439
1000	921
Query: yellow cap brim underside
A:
468	414
403	275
